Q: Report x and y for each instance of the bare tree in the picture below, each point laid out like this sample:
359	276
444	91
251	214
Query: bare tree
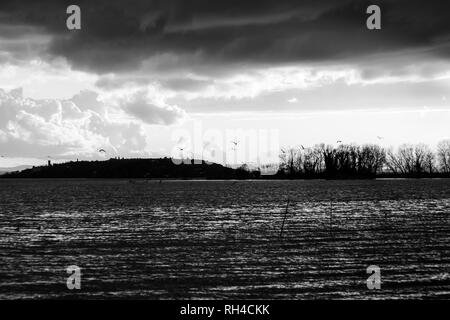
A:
411	159
312	160
371	159
290	161
349	160
430	161
443	156
329	159
424	159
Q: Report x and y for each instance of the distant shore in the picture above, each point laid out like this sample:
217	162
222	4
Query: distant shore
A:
165	169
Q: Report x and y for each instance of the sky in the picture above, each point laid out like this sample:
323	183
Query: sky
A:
232	81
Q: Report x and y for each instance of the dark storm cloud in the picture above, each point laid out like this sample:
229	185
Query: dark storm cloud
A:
119	35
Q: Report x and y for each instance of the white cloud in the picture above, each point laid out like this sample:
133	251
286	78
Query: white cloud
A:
78	126
252	87
147	105
42	80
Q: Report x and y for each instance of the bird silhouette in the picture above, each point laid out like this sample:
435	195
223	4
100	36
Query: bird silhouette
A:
339	141
303	148
181	152
102	150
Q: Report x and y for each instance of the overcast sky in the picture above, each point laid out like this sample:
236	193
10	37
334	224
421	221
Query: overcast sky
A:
140	71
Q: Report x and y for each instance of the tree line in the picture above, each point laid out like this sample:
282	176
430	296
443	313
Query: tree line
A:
164	168
365	161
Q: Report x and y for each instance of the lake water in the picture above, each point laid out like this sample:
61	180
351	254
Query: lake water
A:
223	239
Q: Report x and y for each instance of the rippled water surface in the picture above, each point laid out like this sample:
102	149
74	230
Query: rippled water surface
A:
223	239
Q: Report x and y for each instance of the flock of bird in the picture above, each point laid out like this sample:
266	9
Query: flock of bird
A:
234	142
340	142
303	148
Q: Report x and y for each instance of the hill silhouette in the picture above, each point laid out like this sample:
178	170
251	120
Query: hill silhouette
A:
163	168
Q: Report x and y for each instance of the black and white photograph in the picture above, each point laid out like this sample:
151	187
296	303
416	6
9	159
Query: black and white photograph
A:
226	150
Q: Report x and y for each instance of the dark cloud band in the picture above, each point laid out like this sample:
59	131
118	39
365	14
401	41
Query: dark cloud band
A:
120	35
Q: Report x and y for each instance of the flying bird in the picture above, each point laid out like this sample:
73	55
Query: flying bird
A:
235	144
102	150
380	138
339	141
303	148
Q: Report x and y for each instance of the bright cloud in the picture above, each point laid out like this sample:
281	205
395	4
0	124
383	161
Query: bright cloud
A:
78	126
